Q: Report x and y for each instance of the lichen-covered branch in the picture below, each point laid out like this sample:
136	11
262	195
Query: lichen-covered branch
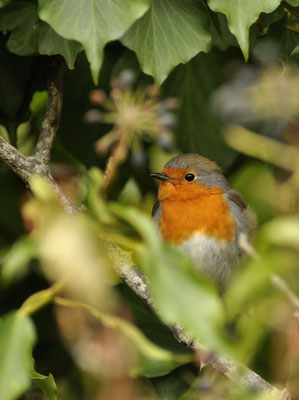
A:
38	163
51	120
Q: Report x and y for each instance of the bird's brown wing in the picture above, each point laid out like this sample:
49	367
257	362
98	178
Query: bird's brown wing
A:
237	198
156	211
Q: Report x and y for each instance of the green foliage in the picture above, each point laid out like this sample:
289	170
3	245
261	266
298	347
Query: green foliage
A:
58	271
167	28
17	336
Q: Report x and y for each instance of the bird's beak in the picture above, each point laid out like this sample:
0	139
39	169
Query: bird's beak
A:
162	177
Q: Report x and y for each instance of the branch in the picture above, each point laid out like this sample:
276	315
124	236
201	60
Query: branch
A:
38	163
51	120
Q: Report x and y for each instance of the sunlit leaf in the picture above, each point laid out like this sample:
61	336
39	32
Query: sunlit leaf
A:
171	32
93	22
241	15
17	336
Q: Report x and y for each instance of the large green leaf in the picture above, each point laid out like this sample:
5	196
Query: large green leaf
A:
50	43
92	22
199	129
28	35
17	336
241	15
171	32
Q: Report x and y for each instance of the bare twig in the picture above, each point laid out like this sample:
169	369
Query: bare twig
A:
281	285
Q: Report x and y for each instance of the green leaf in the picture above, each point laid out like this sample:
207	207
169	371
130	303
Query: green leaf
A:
4	3
241	15
199	128
171	32
29	35
50	43
17	336
20	18
93	22
294	3
45	383
14	265
295	50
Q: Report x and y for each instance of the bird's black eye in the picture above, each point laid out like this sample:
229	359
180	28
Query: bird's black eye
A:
189	177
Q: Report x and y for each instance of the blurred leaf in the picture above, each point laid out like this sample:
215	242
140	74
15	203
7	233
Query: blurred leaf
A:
4	3
50	43
241	15
40	299
14	264
199	128
17	336
197	306
252	284
257	184
153	360
294	3
175	32
20	18
283	231
93	25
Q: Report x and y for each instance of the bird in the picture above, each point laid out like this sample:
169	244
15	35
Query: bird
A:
200	212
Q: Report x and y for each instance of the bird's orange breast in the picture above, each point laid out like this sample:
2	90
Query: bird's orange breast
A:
198	210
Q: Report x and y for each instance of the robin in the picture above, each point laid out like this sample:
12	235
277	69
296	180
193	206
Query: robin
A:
199	211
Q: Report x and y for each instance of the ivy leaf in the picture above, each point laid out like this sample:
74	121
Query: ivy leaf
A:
28	35
50	43
171	32
93	22
241	15
17	336
19	18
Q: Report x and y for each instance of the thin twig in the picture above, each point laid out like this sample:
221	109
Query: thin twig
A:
281	285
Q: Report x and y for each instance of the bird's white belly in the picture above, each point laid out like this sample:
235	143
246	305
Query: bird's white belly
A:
216	258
